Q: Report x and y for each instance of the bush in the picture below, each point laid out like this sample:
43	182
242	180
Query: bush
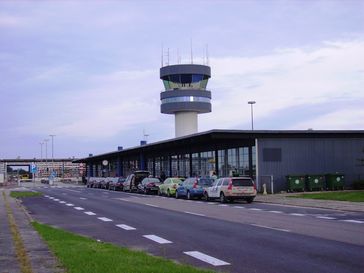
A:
358	185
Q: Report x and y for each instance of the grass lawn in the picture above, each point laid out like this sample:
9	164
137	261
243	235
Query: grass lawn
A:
19	194
352	196
79	254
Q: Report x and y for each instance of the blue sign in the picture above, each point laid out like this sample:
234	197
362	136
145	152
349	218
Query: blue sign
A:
33	168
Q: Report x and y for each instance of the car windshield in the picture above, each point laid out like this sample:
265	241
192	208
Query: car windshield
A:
243	182
205	182
176	180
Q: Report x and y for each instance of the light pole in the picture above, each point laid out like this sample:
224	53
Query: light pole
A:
41	151
52	136
46	154
251	111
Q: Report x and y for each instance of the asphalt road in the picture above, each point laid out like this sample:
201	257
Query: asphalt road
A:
229	238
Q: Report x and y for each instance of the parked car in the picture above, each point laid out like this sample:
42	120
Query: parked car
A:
149	185
193	187
105	183
132	181
90	181
169	186
98	182
116	183
232	188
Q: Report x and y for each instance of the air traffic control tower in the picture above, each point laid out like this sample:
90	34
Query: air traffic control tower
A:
185	95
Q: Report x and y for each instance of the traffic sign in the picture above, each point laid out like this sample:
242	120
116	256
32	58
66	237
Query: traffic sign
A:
33	168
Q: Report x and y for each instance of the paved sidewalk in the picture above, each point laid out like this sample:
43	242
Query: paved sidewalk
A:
284	199
41	259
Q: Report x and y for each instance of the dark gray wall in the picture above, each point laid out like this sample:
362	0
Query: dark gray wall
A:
311	156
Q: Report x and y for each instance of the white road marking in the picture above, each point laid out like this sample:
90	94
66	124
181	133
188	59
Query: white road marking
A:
239	207
353	221
151	205
104	219
205	258
157	239
56	200
71	190
83	198
297	214
210	203
62	202
279	229
79	208
275	211
46	196
70	205
122	199
89	213
198	214
222	205
126	227
326	217
255	209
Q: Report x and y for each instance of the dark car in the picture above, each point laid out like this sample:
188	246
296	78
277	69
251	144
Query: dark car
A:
116	183
132	181
194	187
149	185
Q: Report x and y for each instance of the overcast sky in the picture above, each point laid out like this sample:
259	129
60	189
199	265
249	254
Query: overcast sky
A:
88	71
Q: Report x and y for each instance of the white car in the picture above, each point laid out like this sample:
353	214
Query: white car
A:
232	188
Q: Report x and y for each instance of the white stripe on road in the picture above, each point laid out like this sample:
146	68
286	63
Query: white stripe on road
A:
353	221
275	211
56	200
279	229
89	213
126	227
46	196
83	198
326	217
62	202
151	205
239	207
210	203
157	239
104	219
70	205
205	258
198	214
222	205
297	214
255	209
79	208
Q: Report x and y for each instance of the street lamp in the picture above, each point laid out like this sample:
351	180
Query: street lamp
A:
41	151
52	136
46	154
251	111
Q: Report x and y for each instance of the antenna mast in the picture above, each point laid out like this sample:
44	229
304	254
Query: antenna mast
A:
191	53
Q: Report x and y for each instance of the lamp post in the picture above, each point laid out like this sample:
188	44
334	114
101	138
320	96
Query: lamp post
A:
41	151
46	154
251	111
52	136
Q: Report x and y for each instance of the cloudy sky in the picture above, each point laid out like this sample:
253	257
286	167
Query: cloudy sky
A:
88	71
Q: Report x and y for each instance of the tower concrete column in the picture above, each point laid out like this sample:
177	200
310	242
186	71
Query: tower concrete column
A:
185	123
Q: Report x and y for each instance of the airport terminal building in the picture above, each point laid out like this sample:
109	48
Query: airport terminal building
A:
263	155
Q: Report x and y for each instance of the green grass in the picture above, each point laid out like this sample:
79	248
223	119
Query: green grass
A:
20	194
80	254
352	196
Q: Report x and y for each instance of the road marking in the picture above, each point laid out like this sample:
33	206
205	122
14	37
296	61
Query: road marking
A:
123	199
205	258
255	209
70	205
83	198
275	211
79	208
326	217
197	214
126	227
353	221
46	196
157	239
297	214
239	207
56	200
71	190
104	219
89	213
279	229
222	205
62	202
151	205
210	203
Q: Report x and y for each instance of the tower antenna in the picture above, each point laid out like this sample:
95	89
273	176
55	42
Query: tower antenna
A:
162	56
207	54
191	53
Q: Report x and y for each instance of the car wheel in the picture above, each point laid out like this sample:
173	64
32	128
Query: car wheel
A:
249	200
222	198
188	195
206	196
159	193
177	196
168	193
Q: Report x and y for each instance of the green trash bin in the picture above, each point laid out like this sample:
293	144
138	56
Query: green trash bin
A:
296	182
315	182
334	181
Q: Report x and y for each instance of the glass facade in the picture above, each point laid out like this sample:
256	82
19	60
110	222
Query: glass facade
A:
185	81
207	160
186	99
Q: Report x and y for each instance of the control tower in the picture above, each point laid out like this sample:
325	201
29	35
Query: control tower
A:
185	95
